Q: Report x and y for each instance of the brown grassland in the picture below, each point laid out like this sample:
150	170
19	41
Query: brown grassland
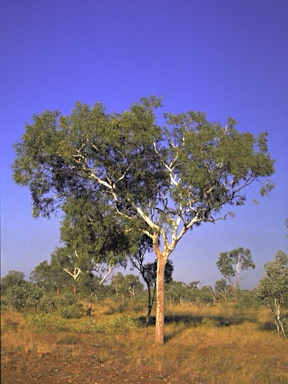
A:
216	344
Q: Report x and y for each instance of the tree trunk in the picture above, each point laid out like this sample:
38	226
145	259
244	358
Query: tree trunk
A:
149	306
160	315
150	303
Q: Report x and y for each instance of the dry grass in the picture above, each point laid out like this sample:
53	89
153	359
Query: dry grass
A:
203	345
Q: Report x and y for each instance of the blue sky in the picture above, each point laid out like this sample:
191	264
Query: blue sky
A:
223	57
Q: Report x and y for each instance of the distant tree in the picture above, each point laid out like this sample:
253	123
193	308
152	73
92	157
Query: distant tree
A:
68	260
126	285
50	277
180	292
222	290
273	290
158	181
174	291
205	295
233	265
133	285
42	275
190	292
13	278
117	283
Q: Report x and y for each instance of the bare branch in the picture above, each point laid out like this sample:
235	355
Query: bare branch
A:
106	275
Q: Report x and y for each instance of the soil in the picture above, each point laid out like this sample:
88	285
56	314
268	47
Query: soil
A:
76	364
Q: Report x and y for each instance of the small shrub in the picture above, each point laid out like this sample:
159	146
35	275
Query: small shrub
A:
47	303
46	322
68	306
70	312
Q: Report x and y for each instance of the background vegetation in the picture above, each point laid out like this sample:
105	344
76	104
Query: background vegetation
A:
209	337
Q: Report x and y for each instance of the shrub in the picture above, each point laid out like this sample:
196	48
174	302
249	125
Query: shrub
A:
23	297
68	306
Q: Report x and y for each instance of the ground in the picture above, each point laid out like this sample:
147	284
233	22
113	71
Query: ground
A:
203	345
78	363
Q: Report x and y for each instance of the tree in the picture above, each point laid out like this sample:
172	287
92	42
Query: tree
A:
133	285
43	276
68	260
158	181
179	292
126	285
273	289
117	282
221	289
12	278
206	295
233	265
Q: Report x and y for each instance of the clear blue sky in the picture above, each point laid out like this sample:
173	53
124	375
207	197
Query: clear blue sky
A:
223	57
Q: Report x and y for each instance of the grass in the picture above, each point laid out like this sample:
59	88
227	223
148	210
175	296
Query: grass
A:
203	344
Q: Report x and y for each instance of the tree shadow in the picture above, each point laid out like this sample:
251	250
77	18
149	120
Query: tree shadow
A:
268	326
195	321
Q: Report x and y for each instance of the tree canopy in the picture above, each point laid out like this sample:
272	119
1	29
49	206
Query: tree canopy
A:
157	181
13	278
233	265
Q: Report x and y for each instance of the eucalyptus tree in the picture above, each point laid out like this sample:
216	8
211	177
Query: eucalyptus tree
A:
158	181
233	265
126	286
222	289
273	290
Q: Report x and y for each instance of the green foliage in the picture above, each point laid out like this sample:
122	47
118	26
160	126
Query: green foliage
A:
179	292
68	306
126	286
234	264
222	290
47	304
47	322
70	311
248	299
29	298
13	278
273	290
44	276
50	277
128	163
24	297
206	295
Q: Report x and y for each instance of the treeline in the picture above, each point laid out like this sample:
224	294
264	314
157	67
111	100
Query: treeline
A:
42	294
53	288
